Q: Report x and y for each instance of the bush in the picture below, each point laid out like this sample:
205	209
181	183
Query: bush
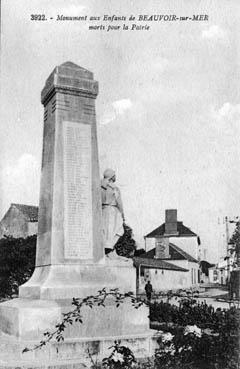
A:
120	358
17	262
188	313
196	336
191	347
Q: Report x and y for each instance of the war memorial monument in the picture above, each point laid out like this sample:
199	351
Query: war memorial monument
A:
70	260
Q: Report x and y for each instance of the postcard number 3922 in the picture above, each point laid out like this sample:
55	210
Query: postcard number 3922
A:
38	17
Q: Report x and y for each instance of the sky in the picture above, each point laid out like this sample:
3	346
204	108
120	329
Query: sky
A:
168	109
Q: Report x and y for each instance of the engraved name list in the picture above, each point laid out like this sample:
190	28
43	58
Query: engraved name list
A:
77	190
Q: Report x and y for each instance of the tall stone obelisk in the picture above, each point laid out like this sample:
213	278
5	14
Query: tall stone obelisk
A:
70	207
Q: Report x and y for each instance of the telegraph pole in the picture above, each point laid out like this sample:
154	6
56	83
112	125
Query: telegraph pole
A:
227	234
237	248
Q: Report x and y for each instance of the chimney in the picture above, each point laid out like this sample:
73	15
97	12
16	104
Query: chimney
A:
171	222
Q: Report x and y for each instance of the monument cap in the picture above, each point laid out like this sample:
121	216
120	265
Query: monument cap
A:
69	78
73	70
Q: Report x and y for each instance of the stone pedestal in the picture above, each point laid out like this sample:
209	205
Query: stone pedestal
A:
70	260
72	353
29	319
57	282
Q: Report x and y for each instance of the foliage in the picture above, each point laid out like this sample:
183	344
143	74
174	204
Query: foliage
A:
17	261
190	312
120	358
192	347
139	252
126	245
197	336
235	240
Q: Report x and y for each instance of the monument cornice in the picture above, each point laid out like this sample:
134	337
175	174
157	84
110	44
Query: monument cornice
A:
67	90
67	85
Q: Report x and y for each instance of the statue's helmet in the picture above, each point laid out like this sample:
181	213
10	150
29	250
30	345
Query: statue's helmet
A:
109	173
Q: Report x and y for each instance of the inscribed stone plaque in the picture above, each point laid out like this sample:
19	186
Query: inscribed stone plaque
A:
162	248
77	161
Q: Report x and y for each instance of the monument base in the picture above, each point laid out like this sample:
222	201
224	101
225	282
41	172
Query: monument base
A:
48	295
72	353
28	319
24	321
65	281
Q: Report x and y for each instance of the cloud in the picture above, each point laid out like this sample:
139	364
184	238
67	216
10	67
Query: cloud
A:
227	112
214	32
107	117
225	126
121	106
117	108
20	181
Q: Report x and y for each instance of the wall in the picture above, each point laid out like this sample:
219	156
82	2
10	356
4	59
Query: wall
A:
14	223
192	270
162	279
213	275
223	272
150	243
187	244
204	278
32	228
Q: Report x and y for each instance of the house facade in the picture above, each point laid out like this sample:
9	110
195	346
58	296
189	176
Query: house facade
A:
19	221
175	244
162	275
179	234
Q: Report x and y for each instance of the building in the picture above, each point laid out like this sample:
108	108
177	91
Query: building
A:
162	274
205	275
178	271
178	259
213	275
19	221
180	235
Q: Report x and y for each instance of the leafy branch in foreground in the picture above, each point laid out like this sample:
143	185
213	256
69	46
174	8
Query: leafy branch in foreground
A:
75	315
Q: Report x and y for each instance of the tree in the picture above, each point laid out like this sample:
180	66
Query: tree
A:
17	262
235	274
235	240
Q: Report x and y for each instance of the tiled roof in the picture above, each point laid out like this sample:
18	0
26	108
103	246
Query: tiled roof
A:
156	264
29	211
175	252
183	231
150	254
